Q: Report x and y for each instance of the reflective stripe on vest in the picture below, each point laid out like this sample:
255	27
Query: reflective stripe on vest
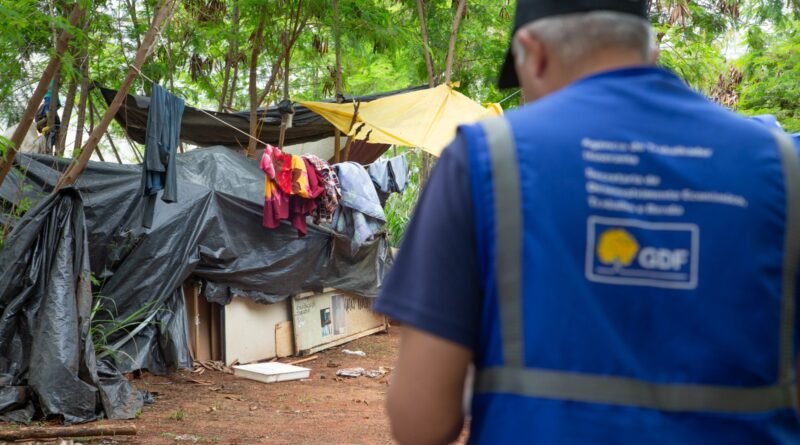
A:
514	378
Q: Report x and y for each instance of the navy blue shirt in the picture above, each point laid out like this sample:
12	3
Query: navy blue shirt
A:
434	284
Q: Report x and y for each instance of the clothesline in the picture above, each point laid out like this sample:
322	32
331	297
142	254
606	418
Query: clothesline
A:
509	97
207	113
220	120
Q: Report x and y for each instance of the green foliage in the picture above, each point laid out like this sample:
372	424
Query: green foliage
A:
771	72
106	323
400	207
4	146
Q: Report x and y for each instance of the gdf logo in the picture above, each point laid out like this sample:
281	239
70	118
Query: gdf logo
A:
663	259
631	252
617	247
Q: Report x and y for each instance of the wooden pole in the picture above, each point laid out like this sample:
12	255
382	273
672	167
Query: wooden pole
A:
76	168
349	143
133	148
38	94
108	136
72	431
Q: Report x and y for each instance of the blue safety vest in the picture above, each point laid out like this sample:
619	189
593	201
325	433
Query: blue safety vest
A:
639	253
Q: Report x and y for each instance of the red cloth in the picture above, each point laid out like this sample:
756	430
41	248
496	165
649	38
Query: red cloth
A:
285	189
282	163
316	183
300	207
276	202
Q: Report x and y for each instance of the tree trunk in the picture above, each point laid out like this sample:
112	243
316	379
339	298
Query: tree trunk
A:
82	102
231	58
451	48
285	118
255	99
38	95
76	168
131	4
52	114
229	104
337	33
76	152
253	88
425	159
425	47
72	91
296	28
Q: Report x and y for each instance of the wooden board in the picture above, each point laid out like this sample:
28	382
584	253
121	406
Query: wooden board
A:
271	372
250	329
203	324
332	318
284	339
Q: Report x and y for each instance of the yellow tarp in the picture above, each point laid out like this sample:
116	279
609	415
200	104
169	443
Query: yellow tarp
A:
427	119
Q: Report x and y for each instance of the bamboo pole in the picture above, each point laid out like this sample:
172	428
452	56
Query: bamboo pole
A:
76	168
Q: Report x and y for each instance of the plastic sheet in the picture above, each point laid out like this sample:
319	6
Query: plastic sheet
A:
213	232
46	350
198	128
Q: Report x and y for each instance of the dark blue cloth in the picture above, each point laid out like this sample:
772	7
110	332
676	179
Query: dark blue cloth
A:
433	284
389	176
161	142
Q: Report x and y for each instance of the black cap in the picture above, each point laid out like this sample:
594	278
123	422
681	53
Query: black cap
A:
532	10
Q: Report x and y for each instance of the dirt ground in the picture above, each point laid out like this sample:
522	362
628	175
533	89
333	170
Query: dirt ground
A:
219	408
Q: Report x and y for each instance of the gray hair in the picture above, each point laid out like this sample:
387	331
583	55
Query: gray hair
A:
575	36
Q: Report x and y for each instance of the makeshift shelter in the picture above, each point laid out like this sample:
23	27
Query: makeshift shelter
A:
427	118
212	233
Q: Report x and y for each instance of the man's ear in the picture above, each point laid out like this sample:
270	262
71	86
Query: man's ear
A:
655	55
530	54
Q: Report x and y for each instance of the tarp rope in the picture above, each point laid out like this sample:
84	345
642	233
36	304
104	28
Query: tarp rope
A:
207	113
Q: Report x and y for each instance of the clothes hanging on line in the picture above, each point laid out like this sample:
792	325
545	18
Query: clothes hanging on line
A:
294	188
328	202
360	214
164	117
389	176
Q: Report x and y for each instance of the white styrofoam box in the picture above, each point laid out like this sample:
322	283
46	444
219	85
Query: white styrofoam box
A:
271	372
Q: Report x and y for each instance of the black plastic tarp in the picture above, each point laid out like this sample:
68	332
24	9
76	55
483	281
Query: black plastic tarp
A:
200	129
213	232
46	352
